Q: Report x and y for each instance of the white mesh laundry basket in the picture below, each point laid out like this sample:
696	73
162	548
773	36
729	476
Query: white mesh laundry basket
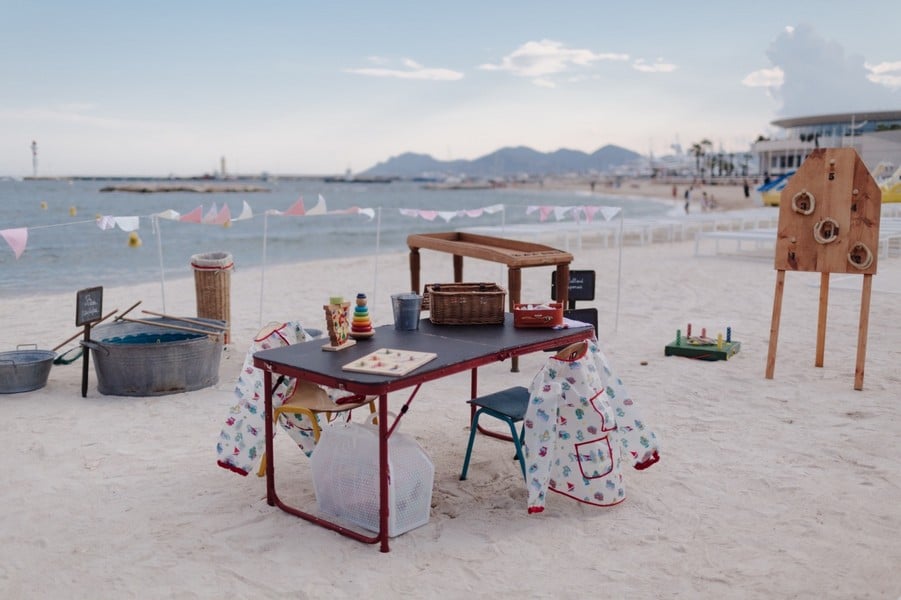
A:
345	467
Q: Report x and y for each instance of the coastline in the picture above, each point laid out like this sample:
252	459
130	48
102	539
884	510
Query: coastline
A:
774	488
727	196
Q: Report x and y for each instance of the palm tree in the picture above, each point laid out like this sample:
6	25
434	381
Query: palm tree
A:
699	149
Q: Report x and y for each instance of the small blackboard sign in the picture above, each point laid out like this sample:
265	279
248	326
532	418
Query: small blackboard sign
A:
88	306
581	285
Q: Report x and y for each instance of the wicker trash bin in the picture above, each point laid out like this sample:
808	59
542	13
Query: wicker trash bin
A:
212	286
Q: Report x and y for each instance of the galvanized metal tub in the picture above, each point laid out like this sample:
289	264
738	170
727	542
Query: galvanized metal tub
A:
24	370
146	359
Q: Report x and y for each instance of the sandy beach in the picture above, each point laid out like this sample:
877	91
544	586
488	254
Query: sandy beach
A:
725	196
766	488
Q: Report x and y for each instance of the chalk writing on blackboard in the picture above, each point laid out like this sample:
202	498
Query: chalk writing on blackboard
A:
88	305
581	285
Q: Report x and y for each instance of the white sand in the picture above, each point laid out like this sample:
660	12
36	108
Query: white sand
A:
782	488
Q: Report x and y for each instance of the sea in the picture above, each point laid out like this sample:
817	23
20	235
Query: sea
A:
67	251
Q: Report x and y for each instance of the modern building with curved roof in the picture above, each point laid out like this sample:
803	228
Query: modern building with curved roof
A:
875	135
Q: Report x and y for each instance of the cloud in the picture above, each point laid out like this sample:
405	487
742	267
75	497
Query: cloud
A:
73	114
548	57
885	73
411	70
657	67
764	78
813	76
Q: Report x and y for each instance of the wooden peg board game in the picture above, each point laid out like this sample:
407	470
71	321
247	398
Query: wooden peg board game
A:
388	361
828	223
702	348
829	215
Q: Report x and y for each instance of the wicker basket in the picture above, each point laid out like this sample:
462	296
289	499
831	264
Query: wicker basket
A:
466	303
212	286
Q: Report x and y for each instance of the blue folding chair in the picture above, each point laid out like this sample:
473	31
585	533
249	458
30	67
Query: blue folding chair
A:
507	405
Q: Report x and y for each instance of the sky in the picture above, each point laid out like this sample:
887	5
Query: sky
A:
317	88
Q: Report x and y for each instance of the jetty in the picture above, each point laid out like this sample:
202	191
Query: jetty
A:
151	188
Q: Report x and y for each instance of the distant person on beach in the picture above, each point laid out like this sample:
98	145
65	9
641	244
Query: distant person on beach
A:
687	199
747	189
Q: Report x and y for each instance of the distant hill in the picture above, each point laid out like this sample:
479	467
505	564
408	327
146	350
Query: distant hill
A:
506	162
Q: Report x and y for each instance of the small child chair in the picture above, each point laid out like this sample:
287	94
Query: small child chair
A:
311	400
507	405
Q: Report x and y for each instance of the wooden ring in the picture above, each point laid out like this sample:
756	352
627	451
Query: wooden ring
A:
826	231
855	259
803	202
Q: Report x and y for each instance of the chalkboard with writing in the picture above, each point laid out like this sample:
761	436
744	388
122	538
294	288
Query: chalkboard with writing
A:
581	285
88	305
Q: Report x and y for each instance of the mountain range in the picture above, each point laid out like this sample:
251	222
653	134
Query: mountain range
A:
506	162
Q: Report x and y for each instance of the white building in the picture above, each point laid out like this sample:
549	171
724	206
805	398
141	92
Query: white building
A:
875	135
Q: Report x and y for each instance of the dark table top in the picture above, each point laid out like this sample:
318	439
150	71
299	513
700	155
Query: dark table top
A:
458	348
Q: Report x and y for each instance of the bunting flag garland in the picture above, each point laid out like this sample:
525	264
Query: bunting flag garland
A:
447	216
585	212
16	238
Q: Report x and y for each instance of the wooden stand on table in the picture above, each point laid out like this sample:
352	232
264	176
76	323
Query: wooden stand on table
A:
515	254
828	222
338	327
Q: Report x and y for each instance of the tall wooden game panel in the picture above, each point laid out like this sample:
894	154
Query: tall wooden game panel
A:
828	223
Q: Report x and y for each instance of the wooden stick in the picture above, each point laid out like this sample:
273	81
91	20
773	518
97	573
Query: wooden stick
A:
862	327
821	319
128	310
178	327
80	332
774	324
186	320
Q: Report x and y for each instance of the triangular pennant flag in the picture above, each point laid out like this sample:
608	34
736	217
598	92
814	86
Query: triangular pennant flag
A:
474	212
195	216
224	215
447	215
128	224
589	212
494	208
369	212
409	212
246	213
560	212
428	215
610	211
320	208
544	212
106	222
170	214
16	238
210	216
296	209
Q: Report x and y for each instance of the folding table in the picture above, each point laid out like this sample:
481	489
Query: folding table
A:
458	348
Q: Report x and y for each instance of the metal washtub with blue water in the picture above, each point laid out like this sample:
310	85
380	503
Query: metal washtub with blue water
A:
150	359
